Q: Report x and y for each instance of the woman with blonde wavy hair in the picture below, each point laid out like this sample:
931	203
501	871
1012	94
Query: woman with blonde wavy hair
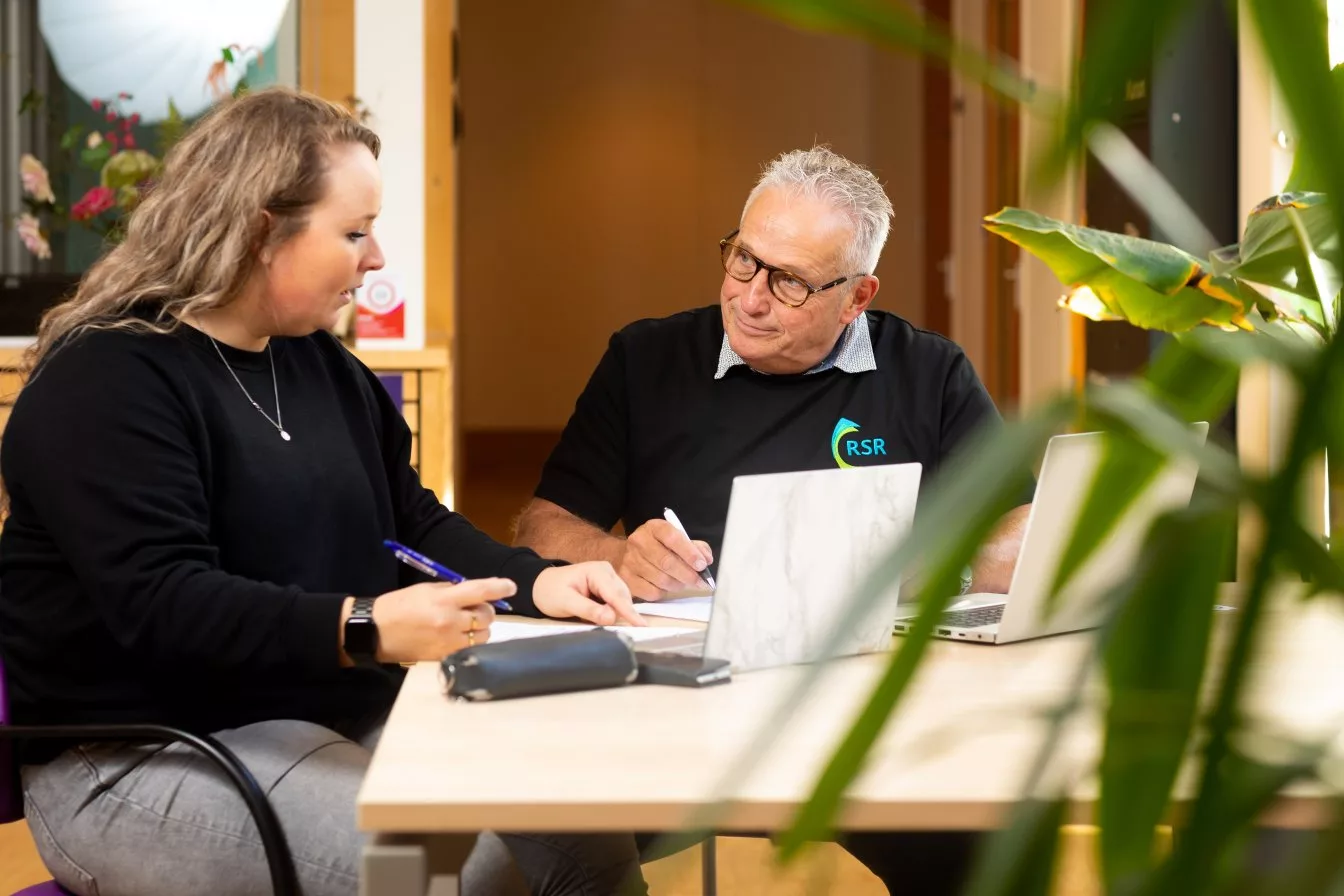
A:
200	478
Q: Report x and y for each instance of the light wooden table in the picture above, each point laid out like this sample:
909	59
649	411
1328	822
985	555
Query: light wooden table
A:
655	758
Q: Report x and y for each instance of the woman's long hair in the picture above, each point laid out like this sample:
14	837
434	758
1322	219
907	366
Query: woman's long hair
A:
192	243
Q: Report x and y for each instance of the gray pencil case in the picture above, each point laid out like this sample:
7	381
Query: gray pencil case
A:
552	664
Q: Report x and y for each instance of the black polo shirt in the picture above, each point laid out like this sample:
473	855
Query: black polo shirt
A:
654	428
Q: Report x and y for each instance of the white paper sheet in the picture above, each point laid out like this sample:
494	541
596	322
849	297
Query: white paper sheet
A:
695	609
510	631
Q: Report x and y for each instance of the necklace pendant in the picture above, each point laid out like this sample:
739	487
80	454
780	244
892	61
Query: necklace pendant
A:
284	435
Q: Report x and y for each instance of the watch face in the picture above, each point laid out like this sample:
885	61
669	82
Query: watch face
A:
361	636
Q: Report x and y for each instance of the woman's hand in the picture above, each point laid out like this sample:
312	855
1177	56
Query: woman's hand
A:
589	591
433	619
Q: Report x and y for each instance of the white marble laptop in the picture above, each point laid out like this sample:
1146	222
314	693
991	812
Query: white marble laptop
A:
795	547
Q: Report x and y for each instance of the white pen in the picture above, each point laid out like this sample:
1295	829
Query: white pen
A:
672	518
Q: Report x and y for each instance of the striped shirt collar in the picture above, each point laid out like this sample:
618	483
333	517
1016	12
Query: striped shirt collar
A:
853	352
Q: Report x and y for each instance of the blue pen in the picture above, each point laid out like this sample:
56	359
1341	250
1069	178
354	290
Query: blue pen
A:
416	560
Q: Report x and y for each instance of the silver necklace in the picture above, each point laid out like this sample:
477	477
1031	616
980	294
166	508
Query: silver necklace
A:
274	385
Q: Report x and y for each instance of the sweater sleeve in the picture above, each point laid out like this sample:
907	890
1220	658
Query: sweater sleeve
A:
104	450
424	523
587	472
967	407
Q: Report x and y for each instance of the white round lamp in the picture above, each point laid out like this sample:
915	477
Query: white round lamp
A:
151	49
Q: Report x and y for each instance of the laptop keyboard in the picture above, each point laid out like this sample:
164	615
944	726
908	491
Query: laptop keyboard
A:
973	618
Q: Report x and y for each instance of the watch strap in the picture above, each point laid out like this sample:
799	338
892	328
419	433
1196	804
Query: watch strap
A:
361	633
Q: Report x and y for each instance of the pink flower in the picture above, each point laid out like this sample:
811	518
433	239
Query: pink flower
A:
33	175
93	203
30	233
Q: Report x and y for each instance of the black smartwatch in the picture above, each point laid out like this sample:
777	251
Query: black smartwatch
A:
361	633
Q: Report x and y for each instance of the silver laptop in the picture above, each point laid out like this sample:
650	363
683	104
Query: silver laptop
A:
795	546
1066	477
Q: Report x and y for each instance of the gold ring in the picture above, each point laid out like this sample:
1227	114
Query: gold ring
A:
472	616
471	638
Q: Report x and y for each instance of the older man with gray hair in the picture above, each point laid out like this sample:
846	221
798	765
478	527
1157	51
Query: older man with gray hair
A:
792	370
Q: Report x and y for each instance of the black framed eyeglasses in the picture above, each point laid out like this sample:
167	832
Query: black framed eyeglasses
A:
785	286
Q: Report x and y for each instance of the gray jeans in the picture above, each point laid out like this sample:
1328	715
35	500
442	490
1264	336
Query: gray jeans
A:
112	819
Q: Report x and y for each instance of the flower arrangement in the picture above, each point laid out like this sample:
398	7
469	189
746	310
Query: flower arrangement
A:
125	169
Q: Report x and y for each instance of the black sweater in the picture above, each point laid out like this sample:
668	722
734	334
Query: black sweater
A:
170	558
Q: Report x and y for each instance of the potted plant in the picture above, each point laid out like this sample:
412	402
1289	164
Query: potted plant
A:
1281	279
1170	702
86	188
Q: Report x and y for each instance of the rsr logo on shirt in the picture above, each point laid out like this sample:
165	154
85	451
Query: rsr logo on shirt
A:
843	446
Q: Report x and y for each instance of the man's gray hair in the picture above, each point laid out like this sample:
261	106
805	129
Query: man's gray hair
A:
849	187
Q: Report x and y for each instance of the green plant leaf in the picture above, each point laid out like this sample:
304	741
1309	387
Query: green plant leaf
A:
1294	36
1293	33
1126	468
95	156
31	102
1136	174
1194	385
1284	256
1332	438
171	129
971	493
72	136
1152	285
1021	859
1320	869
1215	824
1270	251
128	197
128	168
900	25
1206	854
1281	305
1308	556
1276	345
1130	412
1304	176
995	462
1000	866
814	819
1232	790
1077	252
1154	693
1325	280
1116	52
